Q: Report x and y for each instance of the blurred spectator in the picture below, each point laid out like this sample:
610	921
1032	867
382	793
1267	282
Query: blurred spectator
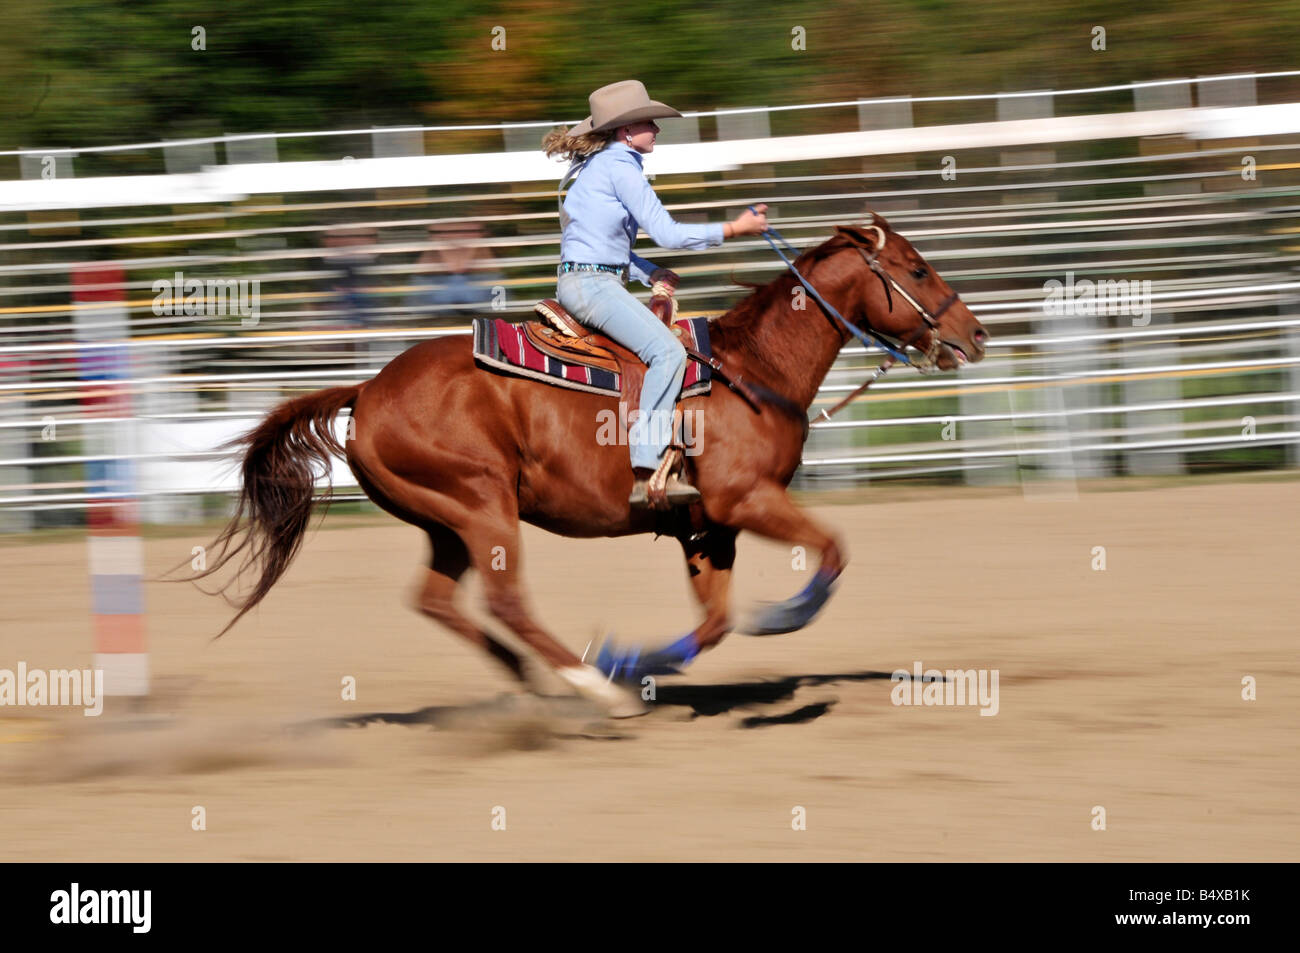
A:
351	251
456	273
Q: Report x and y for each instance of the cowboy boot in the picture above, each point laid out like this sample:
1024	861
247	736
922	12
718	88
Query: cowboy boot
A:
677	491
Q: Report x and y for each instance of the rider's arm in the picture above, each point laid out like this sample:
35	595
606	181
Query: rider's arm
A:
636	195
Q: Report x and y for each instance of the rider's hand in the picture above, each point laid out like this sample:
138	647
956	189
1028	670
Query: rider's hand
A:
668	277
663	289
749	223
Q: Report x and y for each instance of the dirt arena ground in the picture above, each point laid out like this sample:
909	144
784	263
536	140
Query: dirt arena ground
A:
1119	688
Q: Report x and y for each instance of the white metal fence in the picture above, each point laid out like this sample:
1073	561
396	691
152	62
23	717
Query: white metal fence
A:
1189	195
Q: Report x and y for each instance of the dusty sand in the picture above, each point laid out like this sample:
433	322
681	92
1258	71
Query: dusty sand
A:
1119	689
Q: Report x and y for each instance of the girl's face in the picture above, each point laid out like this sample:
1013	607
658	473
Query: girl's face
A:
640	136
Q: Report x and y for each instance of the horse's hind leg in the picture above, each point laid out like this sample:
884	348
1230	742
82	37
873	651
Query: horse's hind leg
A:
486	534
420	506
494	549
437	595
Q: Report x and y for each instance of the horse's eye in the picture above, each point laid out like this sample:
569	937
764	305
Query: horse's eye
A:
918	273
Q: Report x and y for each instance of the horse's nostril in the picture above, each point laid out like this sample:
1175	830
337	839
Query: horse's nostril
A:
981	336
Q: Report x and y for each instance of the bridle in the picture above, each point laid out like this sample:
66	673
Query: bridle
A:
895	350
929	321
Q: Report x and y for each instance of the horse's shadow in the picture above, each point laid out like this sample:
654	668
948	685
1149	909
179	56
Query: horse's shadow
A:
703	701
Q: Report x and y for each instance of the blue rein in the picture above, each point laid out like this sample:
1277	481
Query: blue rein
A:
868	338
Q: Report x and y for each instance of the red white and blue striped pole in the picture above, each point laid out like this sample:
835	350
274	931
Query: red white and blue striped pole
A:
112	512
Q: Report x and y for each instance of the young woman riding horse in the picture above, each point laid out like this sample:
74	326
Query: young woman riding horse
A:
607	204
466	454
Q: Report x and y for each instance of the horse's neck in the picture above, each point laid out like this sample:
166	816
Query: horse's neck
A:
787	350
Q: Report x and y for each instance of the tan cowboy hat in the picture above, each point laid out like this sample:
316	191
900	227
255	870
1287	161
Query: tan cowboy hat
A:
621	104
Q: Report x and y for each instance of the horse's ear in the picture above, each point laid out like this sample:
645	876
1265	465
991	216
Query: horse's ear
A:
872	234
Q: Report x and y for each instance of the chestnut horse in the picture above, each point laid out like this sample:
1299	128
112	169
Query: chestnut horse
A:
465	454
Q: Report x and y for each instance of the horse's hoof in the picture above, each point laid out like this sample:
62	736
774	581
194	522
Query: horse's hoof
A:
795	613
617	666
616	701
631	663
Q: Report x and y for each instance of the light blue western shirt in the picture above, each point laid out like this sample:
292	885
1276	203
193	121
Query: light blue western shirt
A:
609	201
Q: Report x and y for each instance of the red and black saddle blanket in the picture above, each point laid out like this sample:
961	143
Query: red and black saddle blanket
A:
503	346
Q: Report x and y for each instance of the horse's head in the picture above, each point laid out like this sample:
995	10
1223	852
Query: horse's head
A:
899	295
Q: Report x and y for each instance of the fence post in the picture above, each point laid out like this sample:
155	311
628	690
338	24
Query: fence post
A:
1156	390
1010	109
1291	306
16	442
1167	96
986	434
157	400
1075	394
891	114
250	151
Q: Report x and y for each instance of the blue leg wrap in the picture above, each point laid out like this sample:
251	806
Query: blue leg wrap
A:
631	663
797	612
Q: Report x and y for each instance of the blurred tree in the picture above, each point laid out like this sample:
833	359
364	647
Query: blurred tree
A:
113	71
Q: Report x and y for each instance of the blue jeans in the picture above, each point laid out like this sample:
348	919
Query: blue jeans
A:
599	300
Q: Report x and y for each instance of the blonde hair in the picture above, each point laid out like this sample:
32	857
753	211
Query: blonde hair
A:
559	143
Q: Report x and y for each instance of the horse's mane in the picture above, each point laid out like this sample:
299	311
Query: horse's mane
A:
763	296
737	329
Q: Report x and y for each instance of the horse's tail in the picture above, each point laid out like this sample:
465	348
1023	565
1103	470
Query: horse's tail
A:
281	459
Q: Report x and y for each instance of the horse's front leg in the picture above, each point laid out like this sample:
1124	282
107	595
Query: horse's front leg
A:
709	558
766	509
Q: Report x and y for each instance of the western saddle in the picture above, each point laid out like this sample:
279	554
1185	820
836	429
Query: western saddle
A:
561	336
